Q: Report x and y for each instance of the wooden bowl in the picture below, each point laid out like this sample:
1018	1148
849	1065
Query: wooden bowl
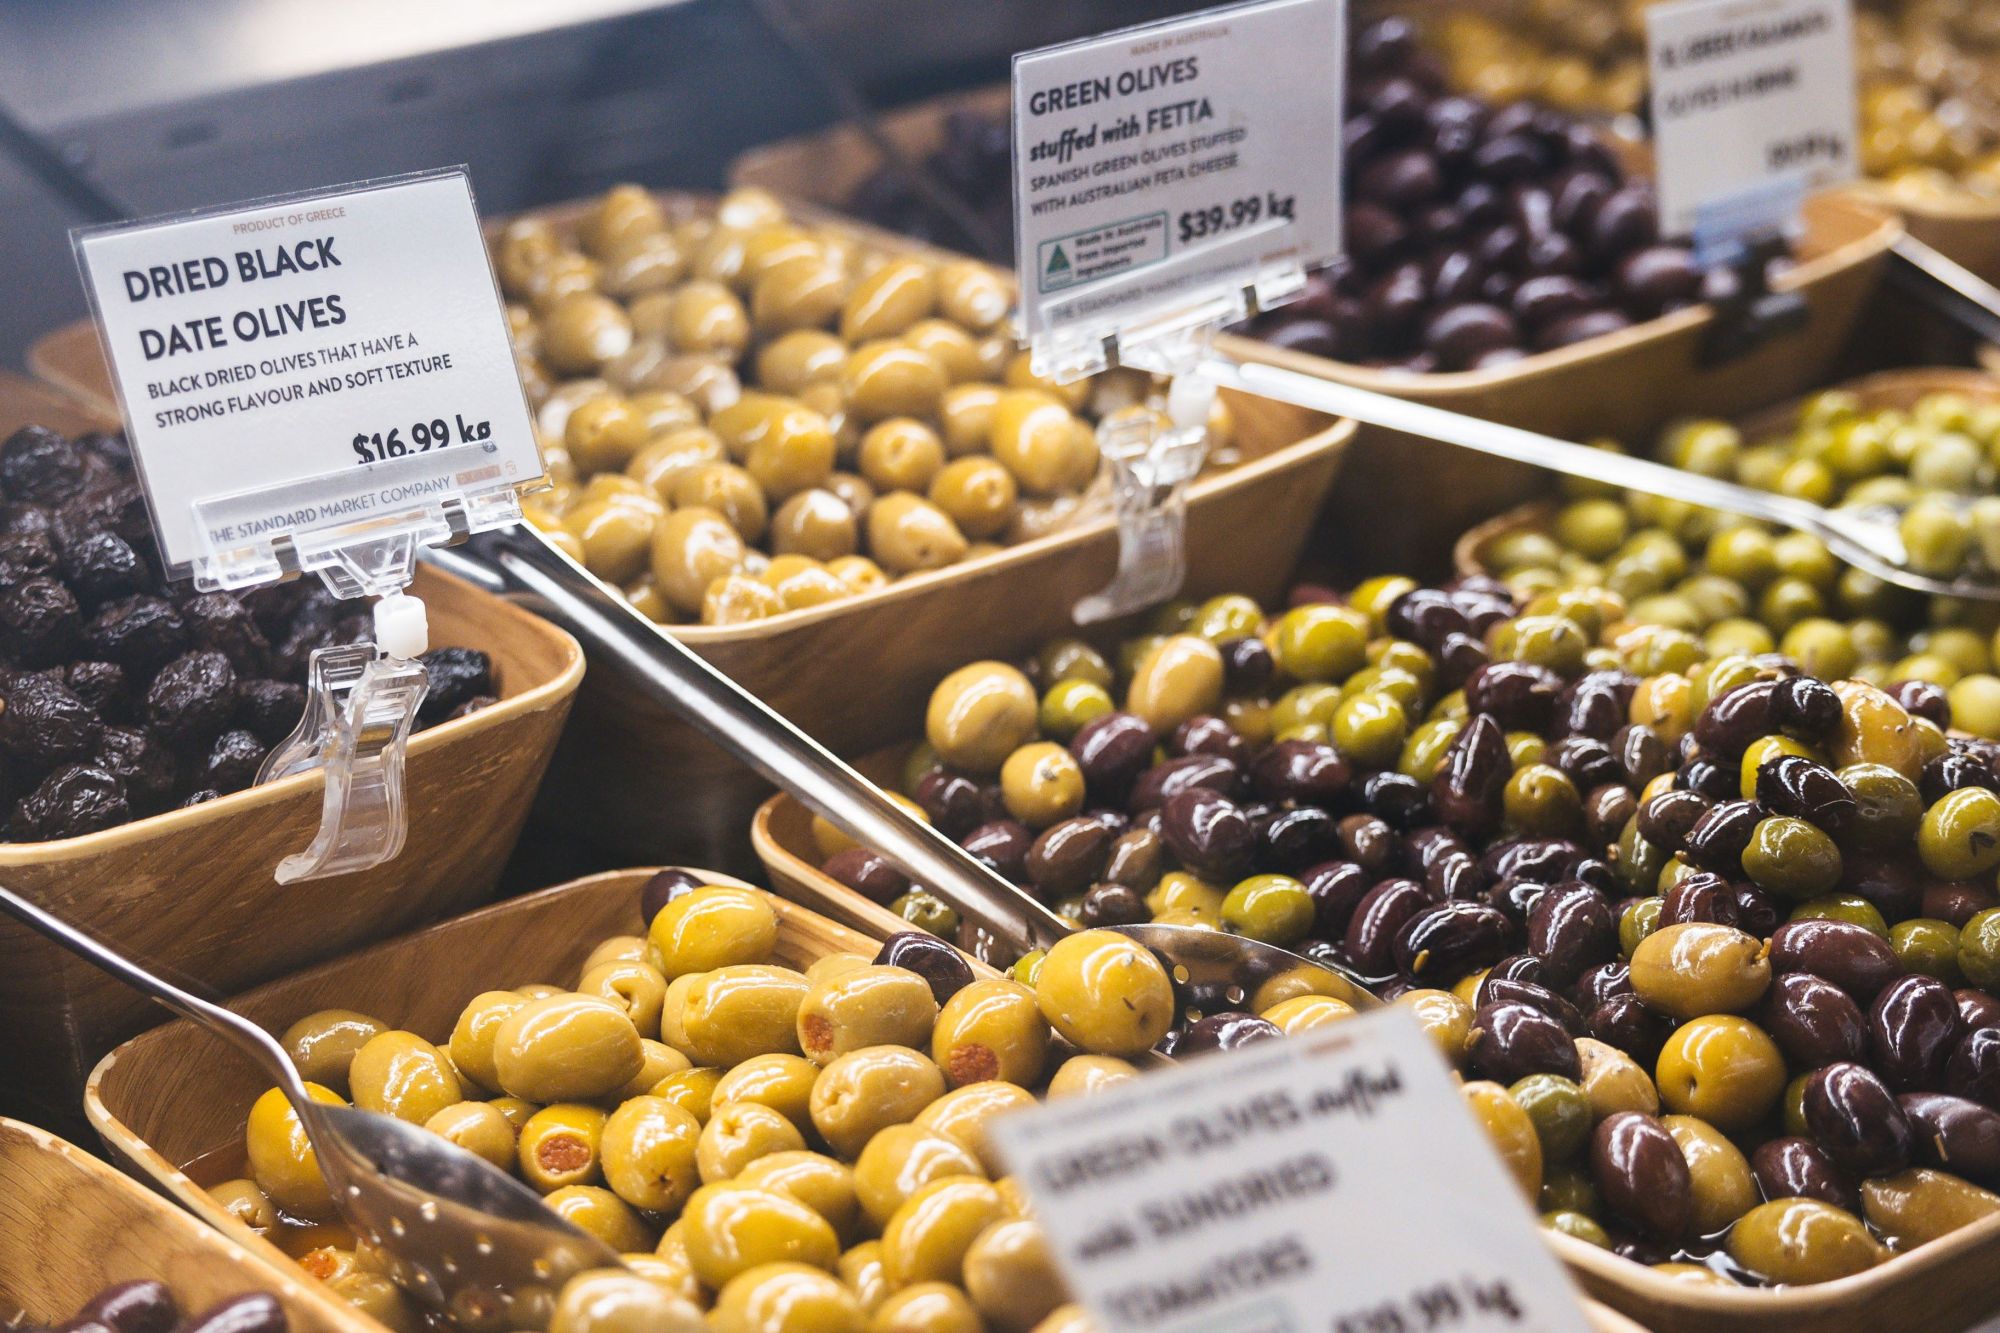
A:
1964	227
1889	388
192	890
781	832
171	1104
71	1226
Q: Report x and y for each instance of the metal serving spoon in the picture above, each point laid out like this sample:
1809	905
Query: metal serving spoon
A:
463	1237
750	730
1865	538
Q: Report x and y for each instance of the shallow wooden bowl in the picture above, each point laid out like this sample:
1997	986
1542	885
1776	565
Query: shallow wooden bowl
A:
170	1104
71	1226
192	890
1889	388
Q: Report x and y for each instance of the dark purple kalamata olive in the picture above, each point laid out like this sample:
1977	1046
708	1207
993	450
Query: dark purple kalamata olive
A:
1110	904
1572	928
1397	301
1337	888
1642	1176
1855	1118
663	888
1516	897
1954	1134
1632	1026
1954	772
1892	881
1813	1021
1459	335
1308	772
1481	204
1520	696
1170	777
1701	896
1806	708
1247	664
1923	698
1797	1168
1545	859
1589	762
1378	918
251	1312
1977	1008
1757	912
1224	1032
1510	1040
1443	943
1516	967
1372	231
1624	222
1914	1026
1457	877
1596	704
1068	857
1458	657
1510	157
1425	616
1719	837
1455	124
1735	718
1292	839
1580	327
1600	983
1454	276
1466	791
1002	844
1956	902
1424	846
1205	733
929	957
1578	196
1396	798
1112	750
1503	249
1370	843
1641	753
1666	820
142	1305
1657	278
1541	300
1313	337
1208	832
1805	789
1852	957
1708	777
951	801
868	874
1974	1067
1498	990
1138	858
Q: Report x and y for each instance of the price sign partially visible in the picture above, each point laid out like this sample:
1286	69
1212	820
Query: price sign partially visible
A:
1158	163
1753	106
1331	1181
300	371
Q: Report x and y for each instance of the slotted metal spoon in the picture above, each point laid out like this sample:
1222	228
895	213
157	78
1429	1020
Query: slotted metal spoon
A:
1209	963
1865	538
463	1237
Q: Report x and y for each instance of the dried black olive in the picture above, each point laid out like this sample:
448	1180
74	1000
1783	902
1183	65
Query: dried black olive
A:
217	620
191	699
233	761
269	709
101	685
138	633
39	465
103	565
40	623
25	555
456	676
42	722
142	763
74	800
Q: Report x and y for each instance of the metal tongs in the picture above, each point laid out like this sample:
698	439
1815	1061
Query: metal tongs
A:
1868	539
1207	963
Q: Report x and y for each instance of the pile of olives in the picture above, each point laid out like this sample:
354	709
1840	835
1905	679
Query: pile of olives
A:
788	1151
744	415
1478	233
1716	943
1744	587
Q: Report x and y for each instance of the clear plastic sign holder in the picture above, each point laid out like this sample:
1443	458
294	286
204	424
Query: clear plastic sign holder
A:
1151	456
362	698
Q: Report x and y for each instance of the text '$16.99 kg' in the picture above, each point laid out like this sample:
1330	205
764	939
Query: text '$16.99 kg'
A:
423	438
1219	219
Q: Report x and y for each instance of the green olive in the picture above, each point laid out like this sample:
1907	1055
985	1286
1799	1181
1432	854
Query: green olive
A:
1791	857
1803	1240
1276	909
979	715
1722	1068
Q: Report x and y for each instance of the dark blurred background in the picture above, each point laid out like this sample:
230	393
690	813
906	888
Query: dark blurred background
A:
169	104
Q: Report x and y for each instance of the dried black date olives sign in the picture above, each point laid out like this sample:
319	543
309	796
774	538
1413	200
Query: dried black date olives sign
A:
1333	1180
312	383
1169	179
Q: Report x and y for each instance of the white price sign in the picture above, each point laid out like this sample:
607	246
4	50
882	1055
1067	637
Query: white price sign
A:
1330	1181
1753	104
331	361
1159	161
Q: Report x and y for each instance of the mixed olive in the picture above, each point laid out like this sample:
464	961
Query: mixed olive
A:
1742	586
123	694
745	415
147	1305
1715	942
772	1150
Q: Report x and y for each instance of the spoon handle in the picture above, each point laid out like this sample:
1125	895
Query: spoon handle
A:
752	731
253	1040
